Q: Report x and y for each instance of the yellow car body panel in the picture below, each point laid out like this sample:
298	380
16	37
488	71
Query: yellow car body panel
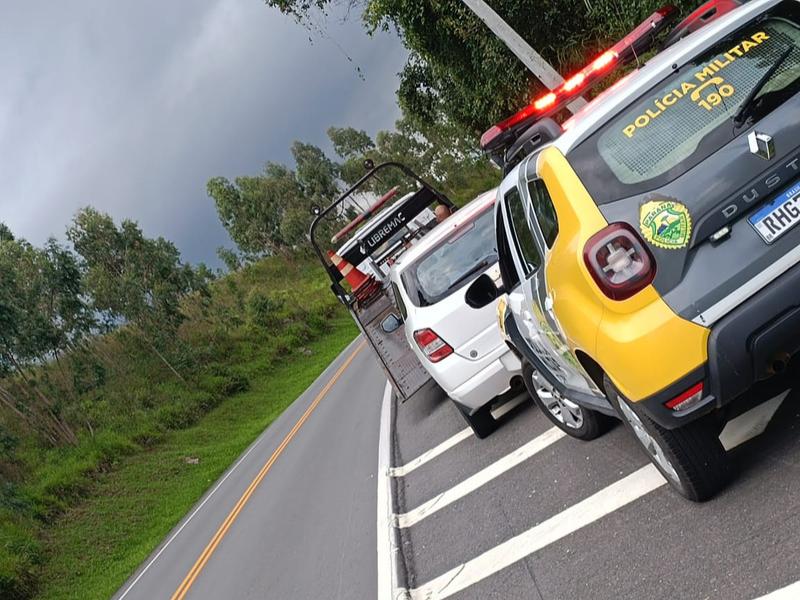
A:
640	342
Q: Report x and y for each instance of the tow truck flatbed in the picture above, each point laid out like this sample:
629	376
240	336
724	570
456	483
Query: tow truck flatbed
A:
378	238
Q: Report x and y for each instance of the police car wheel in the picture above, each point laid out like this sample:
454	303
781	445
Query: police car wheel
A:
569	417
691	458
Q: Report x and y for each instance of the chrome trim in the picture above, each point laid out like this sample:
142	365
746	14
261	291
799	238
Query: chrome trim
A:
728	303
761	144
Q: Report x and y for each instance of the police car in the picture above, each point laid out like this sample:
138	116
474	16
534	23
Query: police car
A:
650	245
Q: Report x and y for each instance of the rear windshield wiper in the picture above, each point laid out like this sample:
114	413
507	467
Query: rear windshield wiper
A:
746	106
481	266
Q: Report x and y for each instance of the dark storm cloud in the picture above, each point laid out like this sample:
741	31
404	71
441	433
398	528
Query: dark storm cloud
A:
131	107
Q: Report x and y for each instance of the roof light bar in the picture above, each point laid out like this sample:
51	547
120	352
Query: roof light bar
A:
605	60
545	101
636	42
574	82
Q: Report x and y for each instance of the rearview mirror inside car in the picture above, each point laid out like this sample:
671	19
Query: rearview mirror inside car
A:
483	291
391	323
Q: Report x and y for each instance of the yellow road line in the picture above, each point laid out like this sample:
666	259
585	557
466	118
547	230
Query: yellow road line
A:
183	588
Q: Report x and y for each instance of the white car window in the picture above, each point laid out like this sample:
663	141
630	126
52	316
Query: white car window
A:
454	262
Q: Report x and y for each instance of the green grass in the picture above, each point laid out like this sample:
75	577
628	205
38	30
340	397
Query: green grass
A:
93	546
71	521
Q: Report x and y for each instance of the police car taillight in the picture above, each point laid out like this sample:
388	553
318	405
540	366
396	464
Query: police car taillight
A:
433	347
687	399
633	44
619	262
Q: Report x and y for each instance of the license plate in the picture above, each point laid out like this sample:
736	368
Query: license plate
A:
779	216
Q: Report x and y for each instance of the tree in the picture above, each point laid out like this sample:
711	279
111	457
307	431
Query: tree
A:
203	275
42	313
318	178
270	213
350	143
230	258
133	279
252	209
459	71
316	174
442	154
64	305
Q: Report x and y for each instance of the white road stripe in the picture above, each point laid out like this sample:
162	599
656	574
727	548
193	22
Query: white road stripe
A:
190	517
615	496
431	454
387	535
790	592
452	441
480	478
511	405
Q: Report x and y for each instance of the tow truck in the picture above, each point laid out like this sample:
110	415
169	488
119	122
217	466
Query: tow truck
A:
649	245
370	243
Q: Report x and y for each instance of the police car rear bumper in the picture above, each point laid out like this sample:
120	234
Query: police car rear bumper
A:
752	344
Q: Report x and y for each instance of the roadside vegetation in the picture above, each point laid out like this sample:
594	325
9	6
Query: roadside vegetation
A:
91	423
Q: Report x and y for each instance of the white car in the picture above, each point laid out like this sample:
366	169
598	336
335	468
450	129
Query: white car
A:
445	287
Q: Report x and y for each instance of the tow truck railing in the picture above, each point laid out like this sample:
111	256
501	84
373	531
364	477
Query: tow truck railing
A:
333	273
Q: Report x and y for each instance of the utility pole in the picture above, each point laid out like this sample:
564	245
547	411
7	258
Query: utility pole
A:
537	65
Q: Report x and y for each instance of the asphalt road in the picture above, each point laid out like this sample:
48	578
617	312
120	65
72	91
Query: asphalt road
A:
525	514
519	532
308	529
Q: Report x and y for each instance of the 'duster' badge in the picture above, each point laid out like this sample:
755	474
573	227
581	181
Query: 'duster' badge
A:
666	224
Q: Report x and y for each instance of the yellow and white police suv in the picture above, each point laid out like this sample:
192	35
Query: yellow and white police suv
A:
649	247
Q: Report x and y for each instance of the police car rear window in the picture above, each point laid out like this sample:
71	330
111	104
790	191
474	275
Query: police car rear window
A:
688	116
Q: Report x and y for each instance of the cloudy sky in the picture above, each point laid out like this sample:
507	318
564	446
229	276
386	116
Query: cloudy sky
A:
132	105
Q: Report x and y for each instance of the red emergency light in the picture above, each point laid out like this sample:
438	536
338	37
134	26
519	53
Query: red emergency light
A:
637	41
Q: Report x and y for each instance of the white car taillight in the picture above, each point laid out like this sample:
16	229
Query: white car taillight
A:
619	262
433	347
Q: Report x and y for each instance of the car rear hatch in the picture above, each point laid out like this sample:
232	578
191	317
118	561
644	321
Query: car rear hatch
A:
437	282
678	169
471	332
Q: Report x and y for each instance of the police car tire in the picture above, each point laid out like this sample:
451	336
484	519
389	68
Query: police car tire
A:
481	421
594	423
694	451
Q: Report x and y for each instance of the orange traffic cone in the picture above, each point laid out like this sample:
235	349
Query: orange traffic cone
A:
353	276
364	287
